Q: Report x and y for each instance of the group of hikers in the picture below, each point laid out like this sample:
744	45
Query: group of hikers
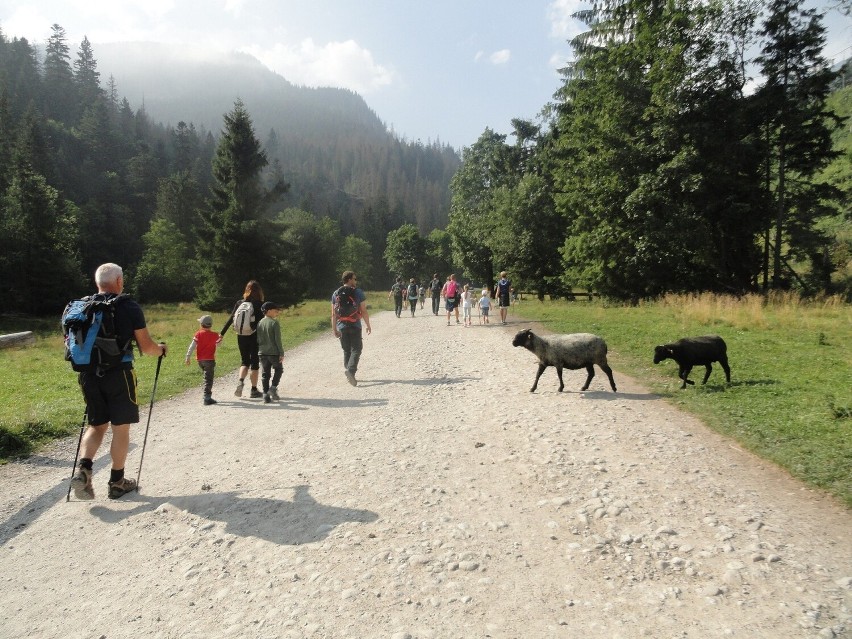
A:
455	297
108	381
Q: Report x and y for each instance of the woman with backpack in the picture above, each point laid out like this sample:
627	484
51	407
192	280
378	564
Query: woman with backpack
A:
245	316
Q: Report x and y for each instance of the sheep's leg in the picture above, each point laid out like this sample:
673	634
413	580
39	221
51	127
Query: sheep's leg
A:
684	374
541	368
709	368
724	362
590	369
559	373
606	369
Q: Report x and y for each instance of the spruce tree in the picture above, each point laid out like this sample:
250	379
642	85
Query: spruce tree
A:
60	94
236	240
798	124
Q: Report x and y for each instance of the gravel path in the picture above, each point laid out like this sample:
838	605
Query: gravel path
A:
438	498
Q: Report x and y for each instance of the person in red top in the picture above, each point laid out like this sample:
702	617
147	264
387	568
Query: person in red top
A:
204	344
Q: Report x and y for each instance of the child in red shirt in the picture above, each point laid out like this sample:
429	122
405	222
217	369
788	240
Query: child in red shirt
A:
205	341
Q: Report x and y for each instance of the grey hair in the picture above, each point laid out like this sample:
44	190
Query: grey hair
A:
108	274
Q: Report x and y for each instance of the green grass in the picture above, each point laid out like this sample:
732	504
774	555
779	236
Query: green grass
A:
790	399
791	374
40	399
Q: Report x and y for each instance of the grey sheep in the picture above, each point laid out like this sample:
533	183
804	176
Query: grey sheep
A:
574	351
695	351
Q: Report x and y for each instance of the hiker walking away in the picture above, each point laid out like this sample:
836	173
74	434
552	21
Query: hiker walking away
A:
271	351
244	318
449	293
348	310
413	296
484	306
204	345
435	288
467	305
396	293
502	291
110	394
421	291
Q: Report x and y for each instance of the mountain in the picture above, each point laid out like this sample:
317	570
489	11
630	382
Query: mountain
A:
334	151
185	83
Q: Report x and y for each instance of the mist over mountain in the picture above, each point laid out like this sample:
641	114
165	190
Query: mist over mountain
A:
186	83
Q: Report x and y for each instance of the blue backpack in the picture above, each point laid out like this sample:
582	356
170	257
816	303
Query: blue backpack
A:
91	342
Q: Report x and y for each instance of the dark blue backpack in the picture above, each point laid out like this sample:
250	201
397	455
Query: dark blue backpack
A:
91	342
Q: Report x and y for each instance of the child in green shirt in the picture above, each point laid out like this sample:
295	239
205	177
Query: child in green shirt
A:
270	350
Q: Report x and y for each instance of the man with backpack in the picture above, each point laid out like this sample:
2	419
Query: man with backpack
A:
396	293
502	291
110	392
435	288
348	309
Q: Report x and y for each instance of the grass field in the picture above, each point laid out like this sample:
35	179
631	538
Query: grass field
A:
790	399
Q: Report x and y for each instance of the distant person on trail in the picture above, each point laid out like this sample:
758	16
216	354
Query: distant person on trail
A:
396	292
467	305
449	292
435	289
271	350
484	306
413	296
110	395
203	344
502	291
348	310
247	338
421	291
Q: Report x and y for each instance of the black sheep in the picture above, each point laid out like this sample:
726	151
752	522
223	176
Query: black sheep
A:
695	351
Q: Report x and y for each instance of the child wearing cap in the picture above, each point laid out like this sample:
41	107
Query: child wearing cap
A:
271	351
204	344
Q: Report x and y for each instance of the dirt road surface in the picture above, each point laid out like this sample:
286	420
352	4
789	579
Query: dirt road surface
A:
438	498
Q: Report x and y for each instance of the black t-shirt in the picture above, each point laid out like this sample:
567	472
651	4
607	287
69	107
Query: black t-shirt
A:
129	318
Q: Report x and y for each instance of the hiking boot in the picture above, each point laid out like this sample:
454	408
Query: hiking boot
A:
273	393
239	391
255	394
208	401
121	487
351	378
81	484
267	399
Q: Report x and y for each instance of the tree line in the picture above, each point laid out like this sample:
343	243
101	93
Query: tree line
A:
85	178
662	166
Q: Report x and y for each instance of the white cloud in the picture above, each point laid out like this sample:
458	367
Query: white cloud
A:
562	25
234	7
500	57
478	56
336	64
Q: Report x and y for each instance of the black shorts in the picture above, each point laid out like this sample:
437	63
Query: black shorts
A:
249	351
111	398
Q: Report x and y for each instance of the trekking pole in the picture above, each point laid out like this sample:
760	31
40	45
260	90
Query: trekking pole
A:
77	454
150	409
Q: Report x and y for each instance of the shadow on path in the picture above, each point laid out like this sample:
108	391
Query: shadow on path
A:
300	521
36	507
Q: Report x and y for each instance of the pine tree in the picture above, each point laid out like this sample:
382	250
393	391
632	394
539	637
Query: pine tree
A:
793	101
236	240
60	92
87	78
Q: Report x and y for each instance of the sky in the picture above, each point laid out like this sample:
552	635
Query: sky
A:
433	70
